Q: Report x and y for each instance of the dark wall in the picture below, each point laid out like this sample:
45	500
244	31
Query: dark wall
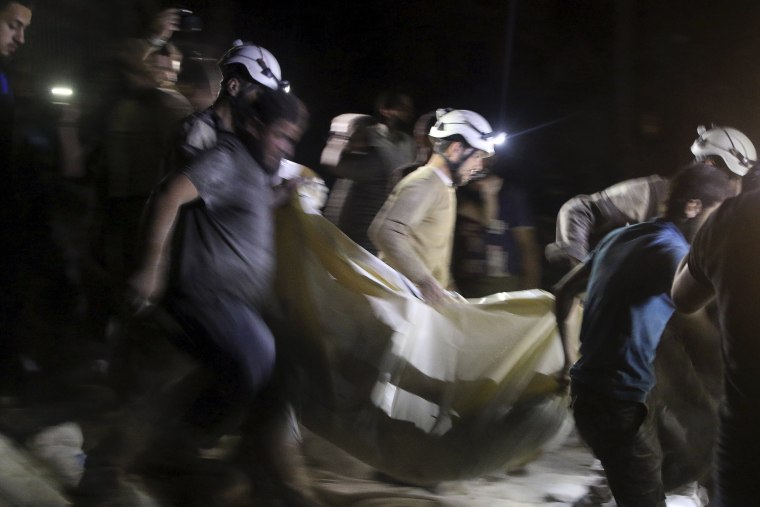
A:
592	91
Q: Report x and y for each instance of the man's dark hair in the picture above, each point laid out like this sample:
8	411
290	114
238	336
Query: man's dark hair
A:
392	100
441	145
275	105
751	180
698	181
29	4
236	70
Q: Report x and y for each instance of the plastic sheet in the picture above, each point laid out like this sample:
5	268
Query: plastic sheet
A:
422	394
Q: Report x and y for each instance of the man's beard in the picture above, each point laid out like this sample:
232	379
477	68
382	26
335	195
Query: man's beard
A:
254	148
396	124
251	142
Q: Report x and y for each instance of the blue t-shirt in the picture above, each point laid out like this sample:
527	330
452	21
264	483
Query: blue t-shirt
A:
627	308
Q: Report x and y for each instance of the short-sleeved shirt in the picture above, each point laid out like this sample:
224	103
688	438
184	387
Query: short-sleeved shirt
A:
627	308
198	132
371	174
226	238
724	256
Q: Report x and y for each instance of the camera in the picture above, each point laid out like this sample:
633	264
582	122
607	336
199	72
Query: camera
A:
189	22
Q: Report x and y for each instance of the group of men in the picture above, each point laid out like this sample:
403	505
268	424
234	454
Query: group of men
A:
207	248
628	278
208	255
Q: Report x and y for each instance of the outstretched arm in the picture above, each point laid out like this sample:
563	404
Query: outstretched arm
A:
147	283
565	292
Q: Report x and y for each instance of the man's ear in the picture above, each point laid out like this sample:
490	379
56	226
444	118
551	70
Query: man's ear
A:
692	208
232	86
454	150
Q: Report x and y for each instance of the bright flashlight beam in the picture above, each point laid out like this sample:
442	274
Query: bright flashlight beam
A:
538	127
62	91
500	138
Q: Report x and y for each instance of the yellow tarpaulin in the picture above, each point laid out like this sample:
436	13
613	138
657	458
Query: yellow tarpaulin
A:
421	394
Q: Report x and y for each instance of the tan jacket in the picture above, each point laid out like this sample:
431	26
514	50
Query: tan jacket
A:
414	230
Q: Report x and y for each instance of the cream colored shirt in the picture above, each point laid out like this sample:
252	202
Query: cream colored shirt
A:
414	230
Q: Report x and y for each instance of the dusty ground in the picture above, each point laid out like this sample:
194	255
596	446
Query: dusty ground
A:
558	478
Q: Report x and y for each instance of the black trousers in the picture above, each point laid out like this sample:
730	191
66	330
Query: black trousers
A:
623	438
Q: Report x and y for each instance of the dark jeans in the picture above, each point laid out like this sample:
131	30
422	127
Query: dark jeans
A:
237	351
624	439
232	340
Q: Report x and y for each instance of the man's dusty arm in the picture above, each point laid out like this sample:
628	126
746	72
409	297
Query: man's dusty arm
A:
565	292
162	210
586	216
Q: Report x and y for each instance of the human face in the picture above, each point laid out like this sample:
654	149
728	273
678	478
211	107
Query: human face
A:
14	20
399	115
278	142
471	166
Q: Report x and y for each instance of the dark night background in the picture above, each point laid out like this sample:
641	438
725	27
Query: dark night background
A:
592	91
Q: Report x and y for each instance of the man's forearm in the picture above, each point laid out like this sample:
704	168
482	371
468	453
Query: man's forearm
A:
688	294
565	292
161	215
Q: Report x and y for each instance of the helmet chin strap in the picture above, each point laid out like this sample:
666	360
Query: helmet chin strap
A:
454	166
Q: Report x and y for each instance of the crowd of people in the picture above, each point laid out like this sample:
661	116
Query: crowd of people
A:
180	236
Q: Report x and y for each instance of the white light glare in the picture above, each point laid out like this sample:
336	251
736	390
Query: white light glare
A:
500	138
62	91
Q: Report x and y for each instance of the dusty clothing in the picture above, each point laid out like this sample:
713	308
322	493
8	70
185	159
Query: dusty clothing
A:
197	133
371	175
627	308
585	219
722	257
232	339
226	244
224	267
414	231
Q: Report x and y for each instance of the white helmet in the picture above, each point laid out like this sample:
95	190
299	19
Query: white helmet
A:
470	125
736	150
261	65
